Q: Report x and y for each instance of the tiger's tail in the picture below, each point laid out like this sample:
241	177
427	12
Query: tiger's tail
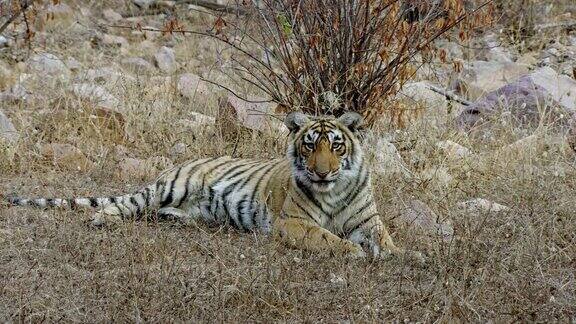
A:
128	204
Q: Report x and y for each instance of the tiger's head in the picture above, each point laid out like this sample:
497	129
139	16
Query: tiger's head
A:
324	151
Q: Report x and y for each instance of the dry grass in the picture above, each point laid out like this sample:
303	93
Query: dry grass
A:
517	265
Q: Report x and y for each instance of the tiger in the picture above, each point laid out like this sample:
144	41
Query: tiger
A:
318	198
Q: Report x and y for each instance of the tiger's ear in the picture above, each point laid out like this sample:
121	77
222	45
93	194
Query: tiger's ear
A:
352	120
295	120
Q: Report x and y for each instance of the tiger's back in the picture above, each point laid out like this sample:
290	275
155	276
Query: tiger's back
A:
244	193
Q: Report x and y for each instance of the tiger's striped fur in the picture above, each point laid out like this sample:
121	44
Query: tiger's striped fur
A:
318	198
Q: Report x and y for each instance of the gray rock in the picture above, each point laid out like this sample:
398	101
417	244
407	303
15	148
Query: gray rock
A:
189	85
252	115
524	100
137	65
454	150
102	75
481	205
14	94
113	40
111	15
384	157
417	215
8	132
96	95
166	60
48	65
3	41
481	77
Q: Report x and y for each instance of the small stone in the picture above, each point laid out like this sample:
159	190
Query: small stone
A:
3	41
96	94
73	64
66	156
112	16
48	65
384	157
481	205
102	75
190	84
480	77
454	150
166	60
113	40
416	214
435	107
337	280
257	115
197	121
144	4
16	93
178	149
8	132
137	65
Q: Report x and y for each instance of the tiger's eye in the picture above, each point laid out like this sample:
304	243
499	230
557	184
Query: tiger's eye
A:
309	146
336	146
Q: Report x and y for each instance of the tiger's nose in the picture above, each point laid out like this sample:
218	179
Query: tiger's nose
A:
322	175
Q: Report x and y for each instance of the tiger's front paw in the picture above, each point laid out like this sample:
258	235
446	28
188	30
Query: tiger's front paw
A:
355	251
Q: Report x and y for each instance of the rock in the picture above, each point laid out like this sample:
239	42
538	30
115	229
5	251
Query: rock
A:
190	84
197	121
47	65
453	49
144	4
337	280
384	157
66	156
481	205
3	41
494	52
15	94
111	15
166	60
137	65
8	132
102	75
178	149
113	40
257	115
146	47
73	64
418	216
480	77
96	95
434	106
454	150
525	100
437	176
561	88
136	169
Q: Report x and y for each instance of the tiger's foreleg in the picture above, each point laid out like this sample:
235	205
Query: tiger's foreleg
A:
304	234
374	236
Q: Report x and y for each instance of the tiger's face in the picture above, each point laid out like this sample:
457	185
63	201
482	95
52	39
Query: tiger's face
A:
324	151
